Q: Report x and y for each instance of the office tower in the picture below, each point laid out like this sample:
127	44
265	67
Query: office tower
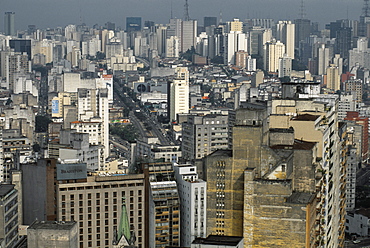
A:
285	66
96	206
354	87
302	30
343	42
189	34
8	215
133	24
172	47
241	59
234	41
210	21
175	29
193	202
258	37
332	78
202	135
355	117
164	205
285	33
179	94
62	234
338	61
21	46
9	24
110	26
272	52
364	20
161	32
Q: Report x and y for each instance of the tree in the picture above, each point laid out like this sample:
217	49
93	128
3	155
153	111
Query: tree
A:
218	60
42	123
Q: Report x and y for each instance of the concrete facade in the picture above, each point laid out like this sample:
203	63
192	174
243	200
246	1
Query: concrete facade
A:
43	234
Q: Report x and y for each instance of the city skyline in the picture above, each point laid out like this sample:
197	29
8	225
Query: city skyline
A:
61	13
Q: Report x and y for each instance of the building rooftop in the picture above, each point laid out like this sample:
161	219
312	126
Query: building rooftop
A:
306	117
219	240
5	189
300	198
53	225
224	153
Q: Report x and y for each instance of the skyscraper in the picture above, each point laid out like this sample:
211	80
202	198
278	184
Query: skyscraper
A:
285	33
9	26
209	21
133	24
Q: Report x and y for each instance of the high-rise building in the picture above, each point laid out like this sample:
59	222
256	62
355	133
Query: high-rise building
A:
354	87
285	33
179	94
189	34
193	202
235	26
273	51
9	23
302	30
332	78
355	117
322	128
210	21
241	59
96	206
133	24
285	66
21	46
164	205
8	215
202	135
323	59
234	41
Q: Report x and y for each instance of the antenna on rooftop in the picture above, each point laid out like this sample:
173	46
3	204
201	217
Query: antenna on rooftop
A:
302	10
366	8
186	14
171	10
220	17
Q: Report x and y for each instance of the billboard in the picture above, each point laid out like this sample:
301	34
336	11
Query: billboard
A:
71	171
55	106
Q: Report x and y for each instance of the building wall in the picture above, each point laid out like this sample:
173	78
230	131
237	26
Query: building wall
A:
96	206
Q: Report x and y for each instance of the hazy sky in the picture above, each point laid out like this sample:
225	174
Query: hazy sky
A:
53	13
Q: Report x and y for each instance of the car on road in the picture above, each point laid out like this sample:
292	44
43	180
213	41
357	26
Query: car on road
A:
356	241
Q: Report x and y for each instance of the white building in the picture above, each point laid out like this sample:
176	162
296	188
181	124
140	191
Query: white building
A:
234	41
179	93
347	103
189	34
285	33
357	223
93	116
251	64
193	199
272	52
172	47
285	66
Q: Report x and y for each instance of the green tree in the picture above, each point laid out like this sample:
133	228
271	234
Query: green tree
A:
42	123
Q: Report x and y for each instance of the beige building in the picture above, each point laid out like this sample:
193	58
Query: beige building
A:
96	206
273	51
332	78
61	234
